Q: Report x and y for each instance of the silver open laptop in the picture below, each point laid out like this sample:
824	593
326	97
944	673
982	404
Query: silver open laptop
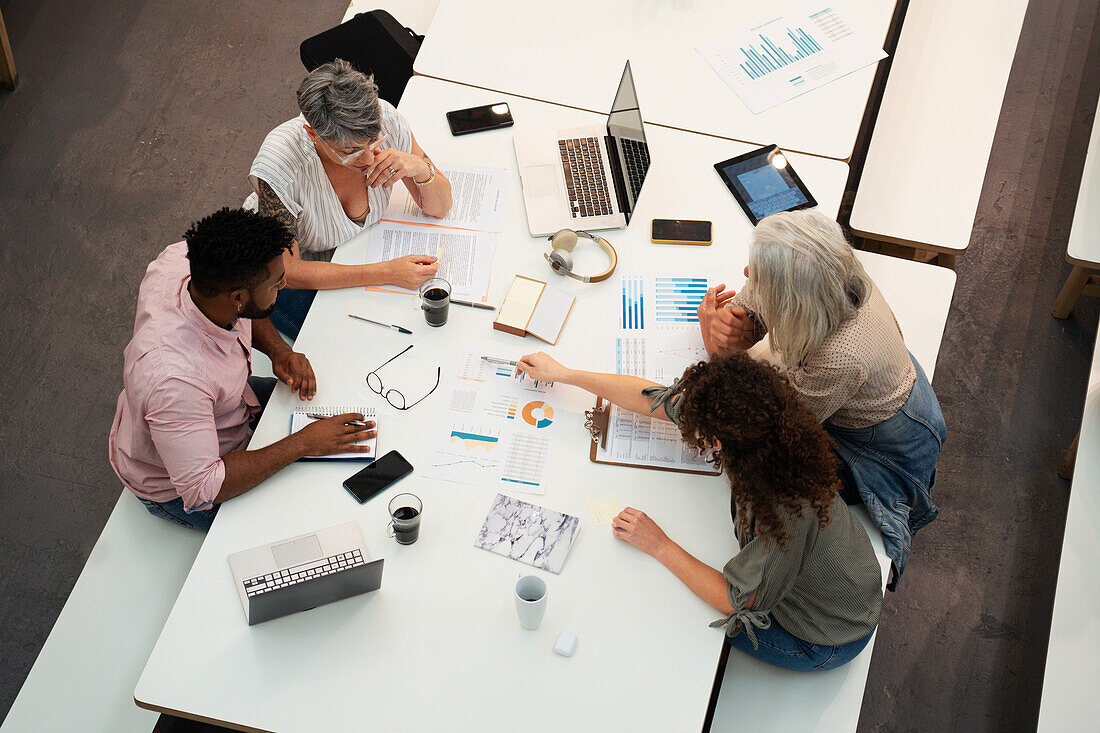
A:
303	572
585	177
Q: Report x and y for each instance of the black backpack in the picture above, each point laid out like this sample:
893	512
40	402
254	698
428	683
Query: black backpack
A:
374	43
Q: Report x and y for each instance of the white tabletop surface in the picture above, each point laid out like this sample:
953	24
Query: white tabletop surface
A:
927	158
439	646
1084	235
572	52
1069	698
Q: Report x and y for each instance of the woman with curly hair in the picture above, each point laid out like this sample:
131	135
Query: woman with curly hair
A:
805	587
846	357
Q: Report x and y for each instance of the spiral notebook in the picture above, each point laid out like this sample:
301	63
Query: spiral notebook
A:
299	418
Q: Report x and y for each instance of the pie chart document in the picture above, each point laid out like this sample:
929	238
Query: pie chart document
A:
496	428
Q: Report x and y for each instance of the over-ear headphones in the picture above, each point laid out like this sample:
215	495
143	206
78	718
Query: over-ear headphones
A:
563	242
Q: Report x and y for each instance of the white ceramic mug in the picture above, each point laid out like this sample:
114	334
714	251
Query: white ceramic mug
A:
530	601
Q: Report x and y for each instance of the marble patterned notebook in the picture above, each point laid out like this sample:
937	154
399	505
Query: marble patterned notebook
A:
529	533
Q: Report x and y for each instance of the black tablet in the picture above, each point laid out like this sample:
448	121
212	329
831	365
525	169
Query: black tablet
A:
764	183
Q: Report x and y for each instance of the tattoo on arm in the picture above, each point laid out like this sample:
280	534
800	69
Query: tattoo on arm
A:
270	205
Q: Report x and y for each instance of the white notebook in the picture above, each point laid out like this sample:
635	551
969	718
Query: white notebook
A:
299	418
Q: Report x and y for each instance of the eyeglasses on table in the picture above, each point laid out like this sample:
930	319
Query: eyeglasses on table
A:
394	397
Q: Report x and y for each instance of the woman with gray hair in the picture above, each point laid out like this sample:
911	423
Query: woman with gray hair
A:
328	174
844	353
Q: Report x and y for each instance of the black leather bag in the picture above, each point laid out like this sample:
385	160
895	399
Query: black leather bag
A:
374	43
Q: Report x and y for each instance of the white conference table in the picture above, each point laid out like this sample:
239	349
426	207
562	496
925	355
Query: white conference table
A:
927	157
572	52
1069	700
439	646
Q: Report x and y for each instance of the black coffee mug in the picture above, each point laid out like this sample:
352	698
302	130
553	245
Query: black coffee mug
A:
405	513
435	300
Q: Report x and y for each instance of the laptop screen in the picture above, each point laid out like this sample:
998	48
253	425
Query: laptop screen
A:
626	140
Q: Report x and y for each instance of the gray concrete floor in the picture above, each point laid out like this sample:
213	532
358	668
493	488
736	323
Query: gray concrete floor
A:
133	118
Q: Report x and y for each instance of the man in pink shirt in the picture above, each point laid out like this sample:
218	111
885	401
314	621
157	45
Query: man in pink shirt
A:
184	417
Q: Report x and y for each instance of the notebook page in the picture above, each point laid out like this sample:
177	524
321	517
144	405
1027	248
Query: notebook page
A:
549	317
299	418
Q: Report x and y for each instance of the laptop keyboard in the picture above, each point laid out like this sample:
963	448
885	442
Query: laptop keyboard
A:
299	573
636	154
583	165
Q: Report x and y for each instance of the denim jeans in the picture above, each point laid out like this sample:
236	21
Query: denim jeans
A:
779	648
201	520
291	307
173	511
893	466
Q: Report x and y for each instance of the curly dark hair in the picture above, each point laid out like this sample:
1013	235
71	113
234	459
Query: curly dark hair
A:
778	457
231	249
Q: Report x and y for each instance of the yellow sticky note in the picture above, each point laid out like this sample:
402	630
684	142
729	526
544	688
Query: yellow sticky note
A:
604	509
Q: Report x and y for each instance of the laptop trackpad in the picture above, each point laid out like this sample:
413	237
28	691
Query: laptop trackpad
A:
296	551
542	180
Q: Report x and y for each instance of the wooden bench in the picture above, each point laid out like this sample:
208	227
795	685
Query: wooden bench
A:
84	677
927	157
1069	701
1083	248
8	76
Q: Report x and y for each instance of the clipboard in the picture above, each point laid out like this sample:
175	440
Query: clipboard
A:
597	419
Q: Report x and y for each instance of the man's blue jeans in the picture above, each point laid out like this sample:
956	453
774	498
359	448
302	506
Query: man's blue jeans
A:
291	307
779	648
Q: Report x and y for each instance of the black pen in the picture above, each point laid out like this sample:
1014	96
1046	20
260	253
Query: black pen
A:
395	327
319	416
482	306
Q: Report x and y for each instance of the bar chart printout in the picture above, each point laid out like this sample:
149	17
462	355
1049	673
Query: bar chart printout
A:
678	299
495	430
807	46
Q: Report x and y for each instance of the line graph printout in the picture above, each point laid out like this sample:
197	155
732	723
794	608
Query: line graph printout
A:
790	53
496	430
667	344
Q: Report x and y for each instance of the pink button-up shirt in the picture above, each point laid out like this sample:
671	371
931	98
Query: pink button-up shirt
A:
185	401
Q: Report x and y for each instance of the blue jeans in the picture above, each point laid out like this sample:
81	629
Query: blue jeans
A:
291	307
173	511
893	467
779	648
201	520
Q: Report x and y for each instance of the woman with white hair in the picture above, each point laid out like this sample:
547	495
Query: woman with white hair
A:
328	174
845	355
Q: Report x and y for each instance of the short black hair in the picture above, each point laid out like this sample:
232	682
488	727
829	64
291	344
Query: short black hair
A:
231	248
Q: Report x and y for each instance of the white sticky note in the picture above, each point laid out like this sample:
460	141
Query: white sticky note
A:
604	509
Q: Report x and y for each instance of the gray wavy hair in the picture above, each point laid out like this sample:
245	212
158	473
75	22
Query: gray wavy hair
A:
341	104
806	280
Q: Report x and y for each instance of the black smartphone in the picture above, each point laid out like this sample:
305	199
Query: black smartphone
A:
476	119
680	231
377	476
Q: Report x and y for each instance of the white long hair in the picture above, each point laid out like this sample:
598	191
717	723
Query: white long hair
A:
806	280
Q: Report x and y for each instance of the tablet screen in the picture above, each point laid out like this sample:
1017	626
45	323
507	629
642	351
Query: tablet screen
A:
764	183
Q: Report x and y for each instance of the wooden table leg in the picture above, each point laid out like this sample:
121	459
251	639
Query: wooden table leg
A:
1065	469
8	77
1071	291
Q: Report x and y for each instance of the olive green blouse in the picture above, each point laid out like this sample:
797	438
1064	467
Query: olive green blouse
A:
824	586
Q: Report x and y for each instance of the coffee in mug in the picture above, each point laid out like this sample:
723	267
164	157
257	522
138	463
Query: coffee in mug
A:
435	300
405	512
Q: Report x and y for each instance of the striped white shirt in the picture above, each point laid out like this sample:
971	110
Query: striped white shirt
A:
288	162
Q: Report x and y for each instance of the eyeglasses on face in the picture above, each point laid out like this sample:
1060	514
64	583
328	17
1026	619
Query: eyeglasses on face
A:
395	398
356	156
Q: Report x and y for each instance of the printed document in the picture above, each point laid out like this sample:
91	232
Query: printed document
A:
790	53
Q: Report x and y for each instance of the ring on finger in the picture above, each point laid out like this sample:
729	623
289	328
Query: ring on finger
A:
392	171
